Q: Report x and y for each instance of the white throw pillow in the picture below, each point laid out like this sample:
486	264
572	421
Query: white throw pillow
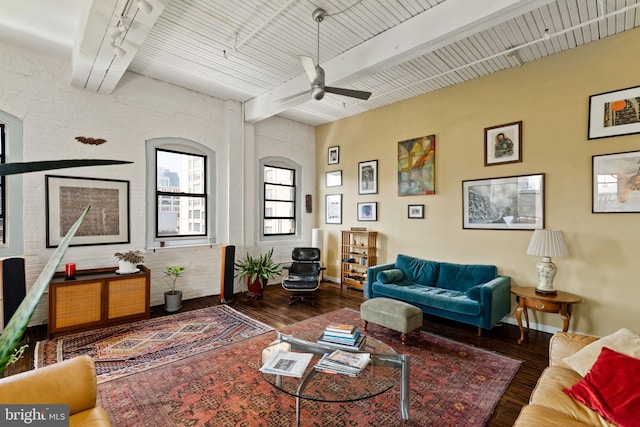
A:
623	341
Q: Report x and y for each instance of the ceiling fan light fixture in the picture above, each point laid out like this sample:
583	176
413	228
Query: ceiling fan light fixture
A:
317	93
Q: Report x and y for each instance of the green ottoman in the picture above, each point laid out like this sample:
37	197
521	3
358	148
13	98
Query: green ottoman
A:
392	314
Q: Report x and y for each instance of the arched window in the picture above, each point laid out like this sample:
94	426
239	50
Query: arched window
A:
279	198
179	193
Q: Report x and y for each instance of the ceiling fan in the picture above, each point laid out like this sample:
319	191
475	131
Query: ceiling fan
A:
316	73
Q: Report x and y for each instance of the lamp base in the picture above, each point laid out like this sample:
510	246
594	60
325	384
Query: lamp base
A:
546	291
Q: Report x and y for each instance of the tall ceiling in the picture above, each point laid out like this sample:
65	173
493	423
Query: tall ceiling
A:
248	50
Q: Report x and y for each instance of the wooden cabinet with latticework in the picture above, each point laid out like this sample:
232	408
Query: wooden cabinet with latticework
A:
97	298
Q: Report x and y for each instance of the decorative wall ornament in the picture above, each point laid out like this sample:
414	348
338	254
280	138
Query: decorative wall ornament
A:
333	209
368	211
90	141
416	166
368	177
333	155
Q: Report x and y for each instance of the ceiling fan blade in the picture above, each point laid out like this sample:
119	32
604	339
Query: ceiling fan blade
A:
348	92
309	67
306	94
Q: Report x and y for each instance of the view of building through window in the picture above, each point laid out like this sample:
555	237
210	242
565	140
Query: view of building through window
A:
181	194
279	201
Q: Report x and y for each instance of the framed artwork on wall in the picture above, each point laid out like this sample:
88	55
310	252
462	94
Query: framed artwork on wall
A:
503	144
333	155
106	223
368	211
416	166
333	178
415	211
509	203
333	209
616	183
368	177
615	113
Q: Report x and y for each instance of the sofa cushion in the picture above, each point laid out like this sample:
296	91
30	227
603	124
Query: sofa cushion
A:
537	416
390	276
623	341
611	388
474	293
549	393
417	270
461	277
443	299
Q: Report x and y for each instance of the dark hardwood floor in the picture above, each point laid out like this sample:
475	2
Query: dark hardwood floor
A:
275	311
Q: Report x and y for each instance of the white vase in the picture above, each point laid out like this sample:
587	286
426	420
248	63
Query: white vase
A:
126	267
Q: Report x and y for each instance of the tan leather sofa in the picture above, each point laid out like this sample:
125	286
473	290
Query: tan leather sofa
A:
71	382
548	405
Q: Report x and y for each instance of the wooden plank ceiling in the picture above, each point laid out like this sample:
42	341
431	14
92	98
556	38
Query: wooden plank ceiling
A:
397	49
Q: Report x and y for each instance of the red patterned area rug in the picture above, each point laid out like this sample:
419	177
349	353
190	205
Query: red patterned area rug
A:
135	347
452	384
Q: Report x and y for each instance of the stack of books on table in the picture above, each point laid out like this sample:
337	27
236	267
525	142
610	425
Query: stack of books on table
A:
343	362
341	335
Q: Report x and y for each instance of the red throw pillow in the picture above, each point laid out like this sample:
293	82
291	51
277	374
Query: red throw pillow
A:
611	388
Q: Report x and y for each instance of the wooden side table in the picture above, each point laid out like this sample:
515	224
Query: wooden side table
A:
528	298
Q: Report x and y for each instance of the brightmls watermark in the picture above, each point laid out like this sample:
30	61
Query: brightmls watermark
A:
34	415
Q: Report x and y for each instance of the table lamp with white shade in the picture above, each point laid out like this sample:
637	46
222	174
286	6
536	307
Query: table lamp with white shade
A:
547	243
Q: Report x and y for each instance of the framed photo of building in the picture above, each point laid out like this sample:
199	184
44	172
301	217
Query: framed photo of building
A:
333	209
368	177
615	113
106	223
333	155
616	183
415	211
509	203
417	166
368	211
503	144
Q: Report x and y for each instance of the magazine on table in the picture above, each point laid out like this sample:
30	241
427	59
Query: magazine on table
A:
343	362
287	363
356	344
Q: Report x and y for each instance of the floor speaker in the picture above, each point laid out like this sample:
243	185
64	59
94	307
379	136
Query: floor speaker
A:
14	286
226	275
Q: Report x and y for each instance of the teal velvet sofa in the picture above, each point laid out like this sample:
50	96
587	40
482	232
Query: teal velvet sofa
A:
469	293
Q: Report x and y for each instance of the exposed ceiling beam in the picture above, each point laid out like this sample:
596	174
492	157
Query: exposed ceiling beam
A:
96	66
439	26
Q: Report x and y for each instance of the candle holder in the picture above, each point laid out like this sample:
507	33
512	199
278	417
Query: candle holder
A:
70	271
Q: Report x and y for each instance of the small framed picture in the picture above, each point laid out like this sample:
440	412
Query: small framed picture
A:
333	155
368	211
368	177
416	211
614	113
333	209
333	178
503	144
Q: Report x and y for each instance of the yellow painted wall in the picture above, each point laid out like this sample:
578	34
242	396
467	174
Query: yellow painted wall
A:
551	97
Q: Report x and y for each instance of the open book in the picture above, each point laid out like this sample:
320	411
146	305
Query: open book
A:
286	363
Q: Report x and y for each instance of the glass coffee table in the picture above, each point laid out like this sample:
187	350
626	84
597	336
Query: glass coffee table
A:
385	370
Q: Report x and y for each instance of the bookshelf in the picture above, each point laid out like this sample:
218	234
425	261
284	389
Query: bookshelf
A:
358	252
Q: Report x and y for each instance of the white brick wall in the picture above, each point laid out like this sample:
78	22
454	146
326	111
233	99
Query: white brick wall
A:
36	89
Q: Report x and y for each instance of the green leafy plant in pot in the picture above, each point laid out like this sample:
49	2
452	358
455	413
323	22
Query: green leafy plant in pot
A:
172	298
128	261
258	271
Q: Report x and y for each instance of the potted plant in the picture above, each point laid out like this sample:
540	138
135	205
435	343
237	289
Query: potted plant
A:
258	271
128	261
172	298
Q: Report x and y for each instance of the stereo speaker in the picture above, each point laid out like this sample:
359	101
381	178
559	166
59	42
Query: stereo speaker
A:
14	286
226	275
